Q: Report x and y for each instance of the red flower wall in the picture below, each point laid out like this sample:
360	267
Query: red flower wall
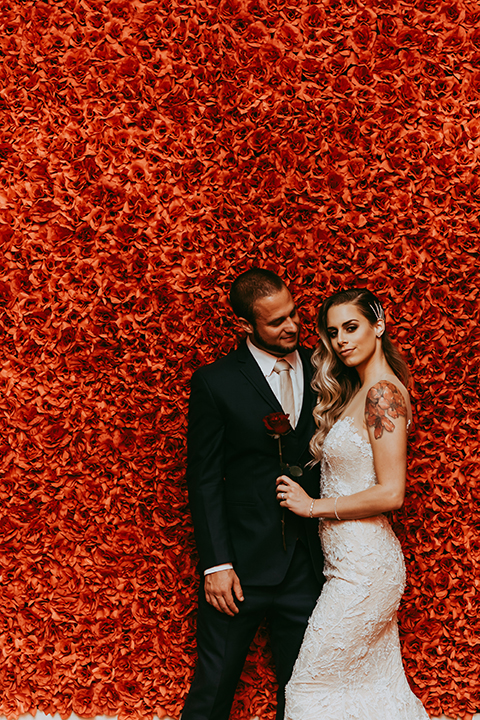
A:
151	151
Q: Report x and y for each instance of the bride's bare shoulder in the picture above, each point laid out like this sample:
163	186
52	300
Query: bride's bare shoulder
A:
386	401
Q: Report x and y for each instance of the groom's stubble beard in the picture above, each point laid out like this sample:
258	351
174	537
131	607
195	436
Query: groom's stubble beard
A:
275	348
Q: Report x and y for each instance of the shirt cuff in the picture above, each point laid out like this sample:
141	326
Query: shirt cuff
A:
217	568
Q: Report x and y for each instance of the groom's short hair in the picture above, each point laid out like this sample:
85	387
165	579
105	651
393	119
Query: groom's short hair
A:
249	287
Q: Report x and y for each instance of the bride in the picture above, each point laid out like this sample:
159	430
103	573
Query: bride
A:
349	666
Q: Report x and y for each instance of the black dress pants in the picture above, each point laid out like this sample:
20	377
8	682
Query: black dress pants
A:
223	641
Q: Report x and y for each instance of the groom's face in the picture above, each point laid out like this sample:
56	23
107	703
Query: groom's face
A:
276	327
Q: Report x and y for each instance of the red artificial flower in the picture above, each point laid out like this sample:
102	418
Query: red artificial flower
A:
277	423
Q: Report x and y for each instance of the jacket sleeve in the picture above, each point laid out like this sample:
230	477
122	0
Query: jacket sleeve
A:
205	475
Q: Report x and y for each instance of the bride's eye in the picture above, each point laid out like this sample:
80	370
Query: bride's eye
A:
352	328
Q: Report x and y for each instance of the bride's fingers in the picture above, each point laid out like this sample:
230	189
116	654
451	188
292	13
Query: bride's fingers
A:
286	488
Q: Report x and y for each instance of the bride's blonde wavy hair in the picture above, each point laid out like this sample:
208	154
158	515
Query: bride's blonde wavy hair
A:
334	382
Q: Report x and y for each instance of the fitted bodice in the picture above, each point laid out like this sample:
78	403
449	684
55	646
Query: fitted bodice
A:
365	545
347	464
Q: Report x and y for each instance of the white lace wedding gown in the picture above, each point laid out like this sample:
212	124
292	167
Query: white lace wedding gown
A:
349	666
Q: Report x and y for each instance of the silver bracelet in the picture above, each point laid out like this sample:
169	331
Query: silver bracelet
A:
335	509
310	514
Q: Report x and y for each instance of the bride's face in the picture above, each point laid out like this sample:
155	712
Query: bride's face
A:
353	338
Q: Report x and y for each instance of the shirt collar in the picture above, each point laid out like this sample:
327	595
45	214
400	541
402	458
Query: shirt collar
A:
267	361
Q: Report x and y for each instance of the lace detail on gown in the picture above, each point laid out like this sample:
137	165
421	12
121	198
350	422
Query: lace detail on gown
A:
350	666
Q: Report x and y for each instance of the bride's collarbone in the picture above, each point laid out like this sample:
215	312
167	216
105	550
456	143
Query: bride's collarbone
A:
355	412
356	409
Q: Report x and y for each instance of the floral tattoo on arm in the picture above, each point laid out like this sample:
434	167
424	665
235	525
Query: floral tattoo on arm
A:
384	399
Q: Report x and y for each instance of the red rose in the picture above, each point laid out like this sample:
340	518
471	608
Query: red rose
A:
289	36
337	64
289	69
387	25
277	423
259	140
335	182
362	37
350	135
311	67
342	85
363	75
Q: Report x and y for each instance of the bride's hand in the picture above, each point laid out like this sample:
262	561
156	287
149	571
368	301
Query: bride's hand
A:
292	496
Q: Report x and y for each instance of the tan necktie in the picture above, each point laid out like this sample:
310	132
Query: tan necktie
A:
287	399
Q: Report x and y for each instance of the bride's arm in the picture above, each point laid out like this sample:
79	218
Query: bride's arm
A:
386	419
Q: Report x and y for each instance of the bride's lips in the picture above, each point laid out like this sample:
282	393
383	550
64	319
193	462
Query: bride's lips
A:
346	352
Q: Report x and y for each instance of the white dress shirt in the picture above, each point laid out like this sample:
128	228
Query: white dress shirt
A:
266	362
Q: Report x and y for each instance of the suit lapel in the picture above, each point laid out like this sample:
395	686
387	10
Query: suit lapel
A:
302	433
249	367
308	396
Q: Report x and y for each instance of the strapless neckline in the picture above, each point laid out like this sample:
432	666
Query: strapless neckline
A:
351	422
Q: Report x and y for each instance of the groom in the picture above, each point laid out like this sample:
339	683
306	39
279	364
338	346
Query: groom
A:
252	569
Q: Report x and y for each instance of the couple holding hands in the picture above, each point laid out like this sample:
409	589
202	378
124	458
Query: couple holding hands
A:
327	573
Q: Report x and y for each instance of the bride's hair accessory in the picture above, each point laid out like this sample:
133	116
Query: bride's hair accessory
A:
377	309
335	509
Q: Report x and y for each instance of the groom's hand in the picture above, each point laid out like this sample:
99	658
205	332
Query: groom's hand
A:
221	589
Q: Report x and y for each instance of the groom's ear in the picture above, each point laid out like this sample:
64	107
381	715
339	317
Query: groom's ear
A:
245	325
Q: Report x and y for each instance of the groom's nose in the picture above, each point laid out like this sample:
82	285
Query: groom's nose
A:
291	325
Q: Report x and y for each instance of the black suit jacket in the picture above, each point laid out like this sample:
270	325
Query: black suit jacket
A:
232	467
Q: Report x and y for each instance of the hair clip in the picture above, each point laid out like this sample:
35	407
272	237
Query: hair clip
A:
377	310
